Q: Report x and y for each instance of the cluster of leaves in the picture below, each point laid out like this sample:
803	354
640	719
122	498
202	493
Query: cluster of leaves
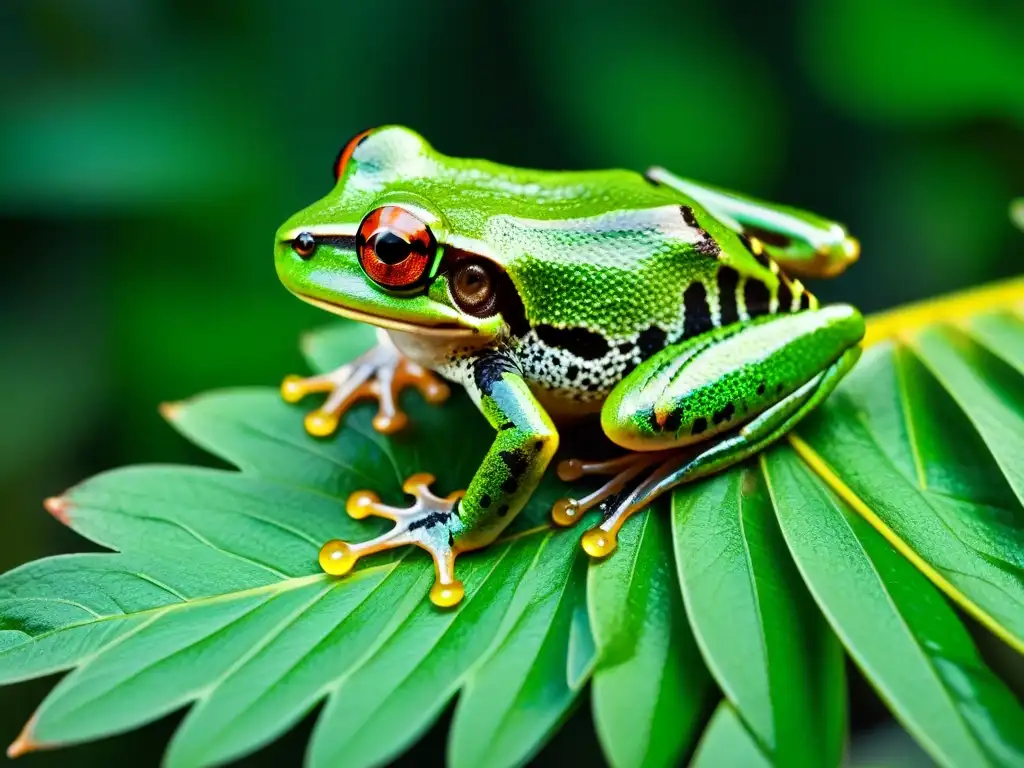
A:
716	632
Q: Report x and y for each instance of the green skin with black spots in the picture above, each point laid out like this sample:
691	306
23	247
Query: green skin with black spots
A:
662	304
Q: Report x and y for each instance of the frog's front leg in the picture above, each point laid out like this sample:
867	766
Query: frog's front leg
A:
380	374
703	405
523	446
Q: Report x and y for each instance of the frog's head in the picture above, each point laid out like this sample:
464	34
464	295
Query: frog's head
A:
393	243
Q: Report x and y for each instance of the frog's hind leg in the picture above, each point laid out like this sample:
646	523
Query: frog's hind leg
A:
803	243
672	468
380	374
704	404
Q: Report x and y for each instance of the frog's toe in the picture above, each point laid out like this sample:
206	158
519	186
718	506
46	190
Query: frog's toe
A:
381	374
622	470
390	383
642	473
431	523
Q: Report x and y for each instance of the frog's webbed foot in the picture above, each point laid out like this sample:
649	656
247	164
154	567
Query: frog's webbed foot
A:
431	523
380	374
623	472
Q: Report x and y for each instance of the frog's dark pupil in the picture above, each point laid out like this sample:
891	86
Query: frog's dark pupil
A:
390	248
304	244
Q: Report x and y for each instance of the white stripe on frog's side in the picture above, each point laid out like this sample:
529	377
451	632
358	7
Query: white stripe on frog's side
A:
650	229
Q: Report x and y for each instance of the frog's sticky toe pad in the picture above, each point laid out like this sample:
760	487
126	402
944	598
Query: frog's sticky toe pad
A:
599	543
431	523
381	374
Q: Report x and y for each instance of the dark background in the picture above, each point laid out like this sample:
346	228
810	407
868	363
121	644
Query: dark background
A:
148	151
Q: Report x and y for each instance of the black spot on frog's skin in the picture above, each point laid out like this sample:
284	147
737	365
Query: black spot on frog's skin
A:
699	425
769	237
756	297
705	245
485	501
517	461
507	425
725	414
760	388
652	421
805	300
572	372
502	510
434	518
785	296
673	420
490	366
758	253
650	341
728	280
626	347
697	319
451	539
511	306
582	342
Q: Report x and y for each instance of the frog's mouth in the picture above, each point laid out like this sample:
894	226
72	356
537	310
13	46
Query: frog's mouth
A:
443	330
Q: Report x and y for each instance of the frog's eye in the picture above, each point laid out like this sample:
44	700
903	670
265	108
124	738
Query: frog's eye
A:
346	152
395	248
473	288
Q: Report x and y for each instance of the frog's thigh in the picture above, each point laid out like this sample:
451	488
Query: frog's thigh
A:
712	383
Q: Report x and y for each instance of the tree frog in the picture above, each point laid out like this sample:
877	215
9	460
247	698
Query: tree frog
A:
670	310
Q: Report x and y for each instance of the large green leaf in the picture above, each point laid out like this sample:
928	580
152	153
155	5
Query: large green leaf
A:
895	625
650	687
520	693
744	597
907	477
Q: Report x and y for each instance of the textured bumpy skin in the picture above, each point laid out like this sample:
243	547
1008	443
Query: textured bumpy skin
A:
693	391
589	275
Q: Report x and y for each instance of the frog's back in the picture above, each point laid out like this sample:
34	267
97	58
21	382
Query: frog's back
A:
603	291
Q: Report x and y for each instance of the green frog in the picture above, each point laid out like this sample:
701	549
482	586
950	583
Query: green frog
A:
670	310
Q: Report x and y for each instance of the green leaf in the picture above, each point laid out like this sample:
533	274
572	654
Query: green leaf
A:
213	599
913	464
727	742
221	567
744	597
525	687
650	688
895	625
987	391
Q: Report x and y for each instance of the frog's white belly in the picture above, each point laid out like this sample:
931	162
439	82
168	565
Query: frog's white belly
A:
453	360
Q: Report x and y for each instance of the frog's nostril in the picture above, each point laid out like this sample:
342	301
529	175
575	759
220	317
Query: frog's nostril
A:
304	244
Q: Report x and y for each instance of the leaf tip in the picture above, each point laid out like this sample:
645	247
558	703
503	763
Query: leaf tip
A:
58	506
170	411
24	743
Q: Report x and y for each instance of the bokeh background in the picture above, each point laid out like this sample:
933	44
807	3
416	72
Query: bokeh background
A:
148	151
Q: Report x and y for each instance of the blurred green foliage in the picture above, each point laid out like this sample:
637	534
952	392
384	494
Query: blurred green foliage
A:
149	150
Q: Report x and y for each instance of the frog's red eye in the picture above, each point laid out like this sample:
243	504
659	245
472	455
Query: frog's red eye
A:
395	248
346	152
